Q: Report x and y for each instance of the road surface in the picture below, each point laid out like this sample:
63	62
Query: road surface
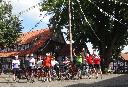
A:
110	80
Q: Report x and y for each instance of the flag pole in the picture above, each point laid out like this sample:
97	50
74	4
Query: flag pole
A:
70	31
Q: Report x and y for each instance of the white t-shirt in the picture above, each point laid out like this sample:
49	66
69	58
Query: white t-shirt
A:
15	63
39	63
53	62
32	62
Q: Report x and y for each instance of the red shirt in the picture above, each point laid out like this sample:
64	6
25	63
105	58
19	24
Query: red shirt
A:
47	61
89	59
97	60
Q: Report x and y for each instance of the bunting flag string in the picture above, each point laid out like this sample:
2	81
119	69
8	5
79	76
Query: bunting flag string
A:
59	15
87	20
31	8
109	15
41	20
46	45
27	10
119	2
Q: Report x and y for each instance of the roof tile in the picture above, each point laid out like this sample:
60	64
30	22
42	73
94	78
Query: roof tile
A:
29	37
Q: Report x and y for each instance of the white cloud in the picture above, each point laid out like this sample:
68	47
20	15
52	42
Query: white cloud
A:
22	5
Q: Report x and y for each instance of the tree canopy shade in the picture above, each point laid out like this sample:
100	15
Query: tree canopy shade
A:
104	23
10	25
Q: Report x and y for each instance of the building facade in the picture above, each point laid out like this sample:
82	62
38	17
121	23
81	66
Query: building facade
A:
37	42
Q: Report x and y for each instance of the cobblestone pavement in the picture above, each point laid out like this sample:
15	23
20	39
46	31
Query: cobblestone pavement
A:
110	80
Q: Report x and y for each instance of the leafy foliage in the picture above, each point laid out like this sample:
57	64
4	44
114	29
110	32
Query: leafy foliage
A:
10	25
93	19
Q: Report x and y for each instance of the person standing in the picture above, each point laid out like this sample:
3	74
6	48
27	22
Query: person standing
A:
53	62
97	66
16	67
89	59
32	62
79	62
47	66
39	62
32	67
55	68
26	63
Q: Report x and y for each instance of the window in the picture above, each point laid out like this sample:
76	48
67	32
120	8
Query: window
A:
15	48
19	47
22	47
26	46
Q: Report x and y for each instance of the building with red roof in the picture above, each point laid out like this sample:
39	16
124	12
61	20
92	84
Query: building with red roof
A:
38	42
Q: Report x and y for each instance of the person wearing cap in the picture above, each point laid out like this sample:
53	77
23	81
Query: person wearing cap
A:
89	59
27	61
47	66
39	66
16	67
32	61
53	61
55	65
79	62
97	66
39	62
32	67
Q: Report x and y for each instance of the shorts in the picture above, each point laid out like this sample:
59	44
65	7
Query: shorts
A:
56	67
39	68
79	66
31	69
47	69
16	71
97	66
91	66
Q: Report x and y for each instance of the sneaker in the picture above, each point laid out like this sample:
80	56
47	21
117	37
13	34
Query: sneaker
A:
47	79
17	80
80	77
50	79
96	77
89	77
43	80
14	79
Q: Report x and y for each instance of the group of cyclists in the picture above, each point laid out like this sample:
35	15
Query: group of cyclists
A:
48	67
91	63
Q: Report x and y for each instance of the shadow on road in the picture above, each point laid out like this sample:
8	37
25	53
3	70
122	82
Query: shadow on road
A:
13	82
120	81
7	82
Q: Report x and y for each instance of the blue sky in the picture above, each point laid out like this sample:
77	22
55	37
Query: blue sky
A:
32	17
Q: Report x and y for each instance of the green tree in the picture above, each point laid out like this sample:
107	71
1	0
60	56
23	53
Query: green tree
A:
101	22
10	25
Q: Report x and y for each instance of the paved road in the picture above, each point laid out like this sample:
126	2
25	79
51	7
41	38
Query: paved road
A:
113	80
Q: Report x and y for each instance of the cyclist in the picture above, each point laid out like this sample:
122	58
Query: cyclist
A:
32	67
97	66
79	61
16	67
47	66
90	63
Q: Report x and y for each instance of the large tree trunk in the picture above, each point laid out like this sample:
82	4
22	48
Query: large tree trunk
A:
105	54
105	60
